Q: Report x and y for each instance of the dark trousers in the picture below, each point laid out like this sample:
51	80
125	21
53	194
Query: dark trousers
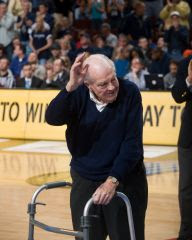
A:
112	218
185	192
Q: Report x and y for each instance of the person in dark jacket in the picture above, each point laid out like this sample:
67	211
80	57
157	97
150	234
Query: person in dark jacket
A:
159	62
182	93
139	26
28	81
104	135
177	37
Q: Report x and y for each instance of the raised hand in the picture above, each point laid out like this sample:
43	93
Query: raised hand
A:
77	73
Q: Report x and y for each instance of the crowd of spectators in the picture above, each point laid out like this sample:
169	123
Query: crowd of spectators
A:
39	40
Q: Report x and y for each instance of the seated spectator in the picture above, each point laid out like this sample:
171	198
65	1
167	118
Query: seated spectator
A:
96	9
66	63
62	27
18	61
110	38
176	37
115	10
170	77
122	40
64	8
176	5
43	12
85	45
7	32
7	79
135	25
161	44
28	80
16	42
159	62
153	7
136	52
47	83
66	48
143	44
81	12
61	75
55	51
101	47
41	40
38	70
137	73
121	61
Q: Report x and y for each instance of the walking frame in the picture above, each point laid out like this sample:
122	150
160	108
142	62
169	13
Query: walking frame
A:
85	219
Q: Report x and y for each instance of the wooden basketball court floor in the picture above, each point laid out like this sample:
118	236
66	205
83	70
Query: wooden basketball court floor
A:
24	165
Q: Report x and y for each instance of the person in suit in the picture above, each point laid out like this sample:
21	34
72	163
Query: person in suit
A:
182	92
28	80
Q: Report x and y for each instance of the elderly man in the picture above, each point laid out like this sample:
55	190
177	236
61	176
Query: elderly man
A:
104	135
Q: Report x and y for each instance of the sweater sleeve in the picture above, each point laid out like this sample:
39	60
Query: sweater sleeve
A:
131	150
61	109
180	91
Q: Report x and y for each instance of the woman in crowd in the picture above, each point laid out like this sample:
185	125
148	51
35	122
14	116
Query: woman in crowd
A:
40	40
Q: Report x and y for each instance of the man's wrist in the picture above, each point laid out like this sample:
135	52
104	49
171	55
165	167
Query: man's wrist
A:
70	88
113	180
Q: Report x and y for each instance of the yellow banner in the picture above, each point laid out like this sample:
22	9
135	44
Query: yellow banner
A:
161	116
22	116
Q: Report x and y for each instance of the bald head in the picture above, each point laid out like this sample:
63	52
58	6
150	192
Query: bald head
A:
98	65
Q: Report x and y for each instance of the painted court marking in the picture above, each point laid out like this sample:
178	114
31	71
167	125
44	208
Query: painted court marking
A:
60	147
56	147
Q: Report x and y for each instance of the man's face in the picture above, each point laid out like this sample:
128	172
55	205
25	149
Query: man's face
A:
3	9
105	88
27	71
4	64
143	43
57	66
55	53
173	68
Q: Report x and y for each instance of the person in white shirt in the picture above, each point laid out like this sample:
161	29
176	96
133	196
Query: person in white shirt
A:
137	73
7	33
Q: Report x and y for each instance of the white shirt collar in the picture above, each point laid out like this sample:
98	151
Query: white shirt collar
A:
99	105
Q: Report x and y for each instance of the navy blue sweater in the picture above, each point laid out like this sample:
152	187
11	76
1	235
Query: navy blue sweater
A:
102	144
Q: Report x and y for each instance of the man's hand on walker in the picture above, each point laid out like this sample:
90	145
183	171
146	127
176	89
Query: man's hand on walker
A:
104	192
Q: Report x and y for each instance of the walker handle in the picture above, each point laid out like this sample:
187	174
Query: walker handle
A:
57	184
